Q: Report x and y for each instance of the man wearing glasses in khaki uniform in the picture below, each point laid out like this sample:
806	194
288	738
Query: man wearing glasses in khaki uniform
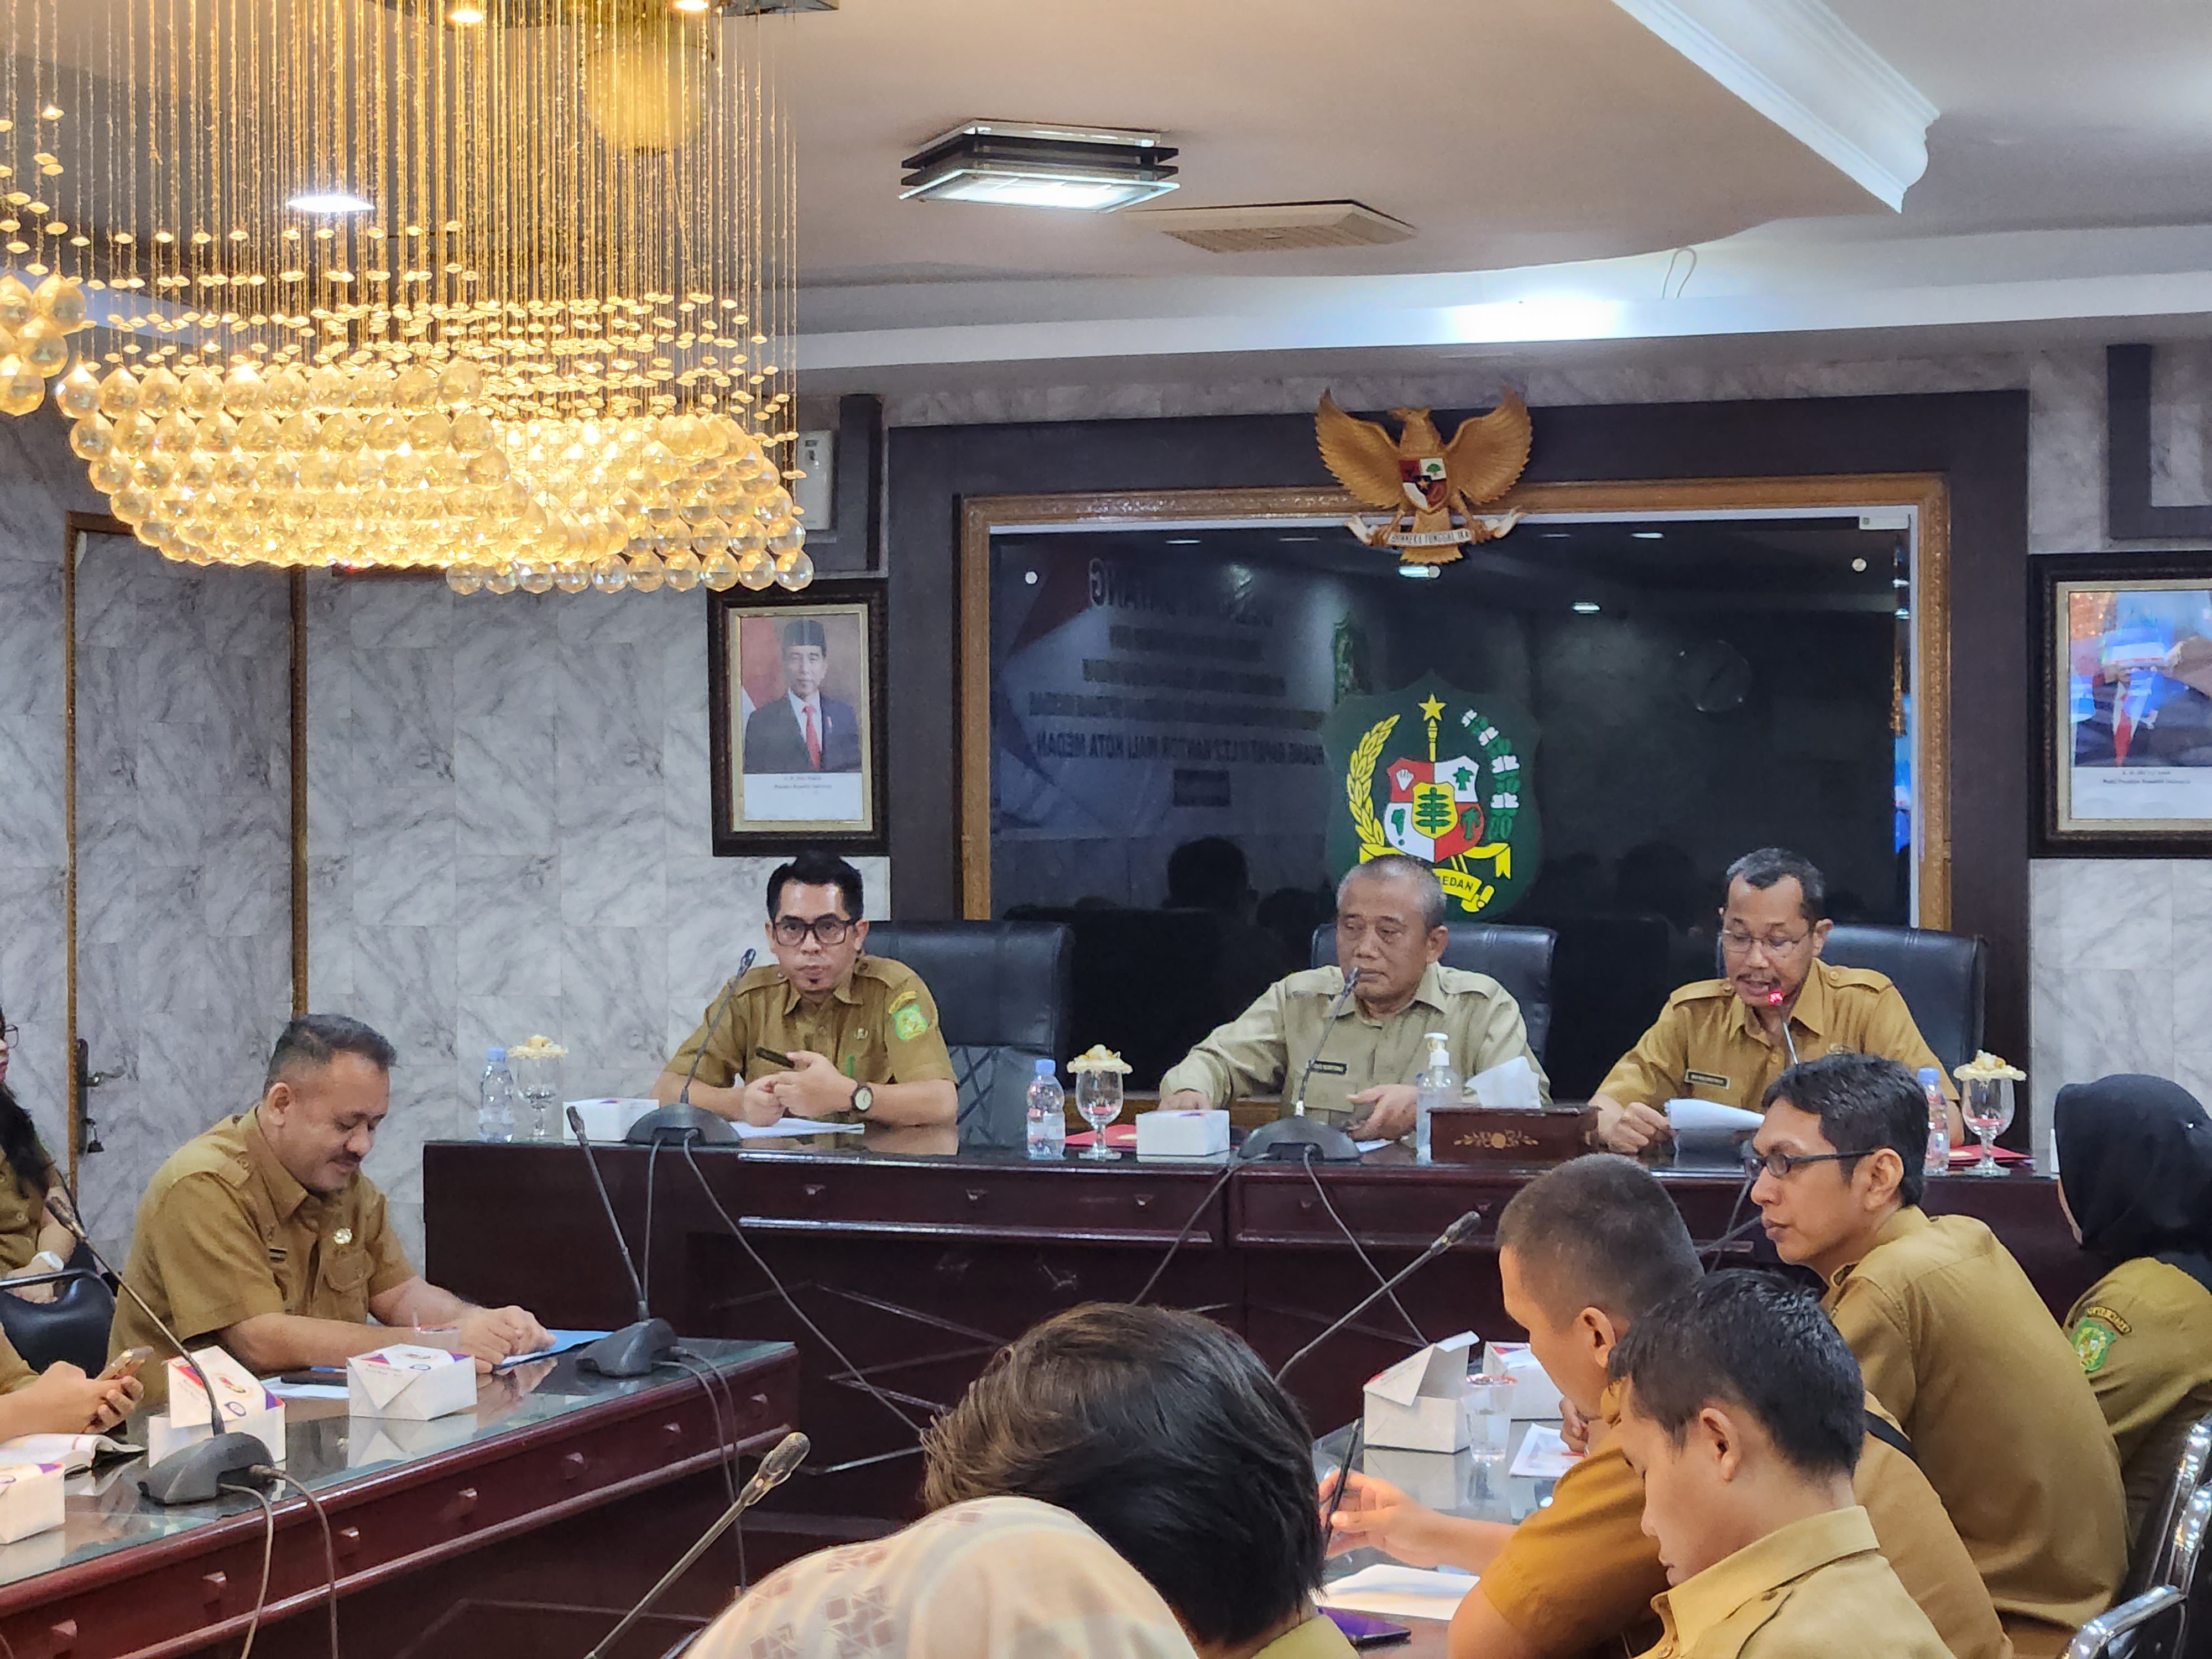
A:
1725	1040
826	1032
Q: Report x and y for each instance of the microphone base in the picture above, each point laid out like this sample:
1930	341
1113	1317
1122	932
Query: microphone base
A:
670	1124
633	1351
1286	1141
199	1473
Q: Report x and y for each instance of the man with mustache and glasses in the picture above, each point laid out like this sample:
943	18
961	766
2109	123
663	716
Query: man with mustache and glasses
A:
263	1235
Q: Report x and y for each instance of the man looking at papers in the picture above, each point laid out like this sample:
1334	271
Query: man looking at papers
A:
1586	1251
262	1235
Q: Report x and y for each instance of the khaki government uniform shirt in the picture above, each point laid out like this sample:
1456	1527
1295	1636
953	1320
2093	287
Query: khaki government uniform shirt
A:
2143	1334
1317	1639
225	1233
879	1026
1582	1571
1818	1588
22	1212
15	1370
1705	1045
1954	1340
1263	1049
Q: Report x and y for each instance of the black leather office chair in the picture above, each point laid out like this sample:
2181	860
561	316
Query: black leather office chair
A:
1001	989
1940	975
73	1326
1519	959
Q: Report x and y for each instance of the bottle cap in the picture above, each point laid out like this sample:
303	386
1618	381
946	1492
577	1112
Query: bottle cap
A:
1928	1074
1044	1068
494	1056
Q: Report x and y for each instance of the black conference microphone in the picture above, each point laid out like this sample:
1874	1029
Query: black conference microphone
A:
1444	1240
637	1348
199	1473
775	1469
1290	1138
681	1120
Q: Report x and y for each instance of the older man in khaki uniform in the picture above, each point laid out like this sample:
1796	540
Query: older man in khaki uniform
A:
263	1235
826	1032
1365	1050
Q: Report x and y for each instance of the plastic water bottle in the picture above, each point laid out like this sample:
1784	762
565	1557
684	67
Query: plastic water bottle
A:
495	1098
1438	1085
1048	1115
1938	1161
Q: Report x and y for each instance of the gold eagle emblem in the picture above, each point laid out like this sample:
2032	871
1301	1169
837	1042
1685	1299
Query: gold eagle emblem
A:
1421	481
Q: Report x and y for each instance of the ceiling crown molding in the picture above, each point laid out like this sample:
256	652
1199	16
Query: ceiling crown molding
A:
1795	63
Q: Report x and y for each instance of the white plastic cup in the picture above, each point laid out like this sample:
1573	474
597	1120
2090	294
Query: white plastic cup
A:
1490	1415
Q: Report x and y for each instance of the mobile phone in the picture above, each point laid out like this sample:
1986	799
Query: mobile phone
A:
126	1364
1364	1630
774	1058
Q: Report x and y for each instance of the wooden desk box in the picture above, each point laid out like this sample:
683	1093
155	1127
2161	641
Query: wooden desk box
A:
1480	1135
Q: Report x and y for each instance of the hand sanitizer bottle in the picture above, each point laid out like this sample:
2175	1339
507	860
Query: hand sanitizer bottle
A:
1438	1085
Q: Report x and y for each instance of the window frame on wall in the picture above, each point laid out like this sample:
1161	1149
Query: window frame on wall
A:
1922	498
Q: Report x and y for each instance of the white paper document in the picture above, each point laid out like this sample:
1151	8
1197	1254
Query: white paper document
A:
784	1127
75	1452
1397	1592
1690	1116
1543	1455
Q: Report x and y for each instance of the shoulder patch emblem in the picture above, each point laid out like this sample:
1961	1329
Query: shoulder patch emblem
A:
909	1022
906	996
2093	1342
2109	1316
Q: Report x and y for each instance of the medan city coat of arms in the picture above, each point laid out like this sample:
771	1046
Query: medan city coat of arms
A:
1430	488
1442	777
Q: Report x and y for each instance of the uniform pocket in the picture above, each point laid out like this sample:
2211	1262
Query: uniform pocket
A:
343	1292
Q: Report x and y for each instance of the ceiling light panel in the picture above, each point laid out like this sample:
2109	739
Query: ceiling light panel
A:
1015	164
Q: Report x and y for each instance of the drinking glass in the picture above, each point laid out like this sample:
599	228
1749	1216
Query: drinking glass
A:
1986	1106
539	1081
1098	1097
1489	1416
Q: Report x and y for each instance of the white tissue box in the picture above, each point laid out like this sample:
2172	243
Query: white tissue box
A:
30	1499
1419	1404
1536	1396
606	1118
1182	1135
244	1406
412	1384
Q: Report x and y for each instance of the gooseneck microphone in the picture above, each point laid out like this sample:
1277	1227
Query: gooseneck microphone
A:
1328	1024
199	1473
1443	1241
1297	1138
775	1469
637	1348
681	1120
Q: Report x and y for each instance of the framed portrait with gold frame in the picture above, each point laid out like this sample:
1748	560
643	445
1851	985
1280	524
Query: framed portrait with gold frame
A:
2124	711
795	718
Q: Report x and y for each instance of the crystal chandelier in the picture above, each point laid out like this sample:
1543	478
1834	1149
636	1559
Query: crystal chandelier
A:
503	288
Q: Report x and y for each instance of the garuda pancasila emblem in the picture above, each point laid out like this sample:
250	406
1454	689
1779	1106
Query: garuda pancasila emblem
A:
1430	488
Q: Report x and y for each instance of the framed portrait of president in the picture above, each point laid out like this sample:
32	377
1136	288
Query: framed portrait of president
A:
2124	643
795	716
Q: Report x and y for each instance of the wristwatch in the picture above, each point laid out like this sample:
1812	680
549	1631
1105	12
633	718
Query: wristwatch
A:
863	1098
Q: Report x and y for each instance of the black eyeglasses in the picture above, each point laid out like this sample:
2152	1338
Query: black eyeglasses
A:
1779	1165
829	930
8	1036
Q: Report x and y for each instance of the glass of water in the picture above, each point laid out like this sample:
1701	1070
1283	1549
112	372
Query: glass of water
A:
1986	1106
1098	1097
539	1081
1489	1417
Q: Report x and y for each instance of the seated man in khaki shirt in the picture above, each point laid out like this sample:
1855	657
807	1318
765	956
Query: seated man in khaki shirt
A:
1741	1412
1585	1252
1952	1340
860	1032
1725	1040
263	1235
1390	929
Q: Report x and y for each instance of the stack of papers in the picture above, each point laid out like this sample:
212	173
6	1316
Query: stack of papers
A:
1710	1117
1397	1592
795	1125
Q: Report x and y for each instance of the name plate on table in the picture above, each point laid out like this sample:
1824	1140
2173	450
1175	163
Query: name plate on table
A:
1482	1134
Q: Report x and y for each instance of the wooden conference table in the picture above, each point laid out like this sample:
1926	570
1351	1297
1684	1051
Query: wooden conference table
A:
921	1252
521	1523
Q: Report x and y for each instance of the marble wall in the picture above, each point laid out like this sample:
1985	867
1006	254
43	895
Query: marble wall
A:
183	854
508	834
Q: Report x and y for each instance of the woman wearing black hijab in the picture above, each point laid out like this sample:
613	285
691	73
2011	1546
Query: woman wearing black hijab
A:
27	1179
2134	1177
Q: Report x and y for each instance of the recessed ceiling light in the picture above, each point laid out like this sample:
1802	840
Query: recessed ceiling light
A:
1555	535
1420	573
1297	538
1903	613
1586	607
328	201
691	5
1030	577
465	14
1183	541
1858	564
1021	164
1648	535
